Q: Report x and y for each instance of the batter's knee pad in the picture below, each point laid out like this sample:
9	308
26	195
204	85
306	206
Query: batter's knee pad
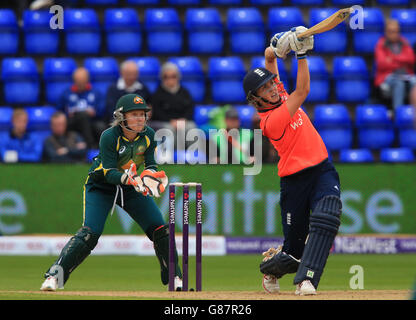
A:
279	265
161	245
75	251
324	224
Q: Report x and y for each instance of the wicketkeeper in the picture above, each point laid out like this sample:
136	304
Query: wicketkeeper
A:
113	179
309	185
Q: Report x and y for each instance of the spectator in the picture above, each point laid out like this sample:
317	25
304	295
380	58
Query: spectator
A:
84	108
235	146
172	104
127	83
18	144
395	61
63	145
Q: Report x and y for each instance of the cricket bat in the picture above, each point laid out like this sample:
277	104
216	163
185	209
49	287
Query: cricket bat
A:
329	23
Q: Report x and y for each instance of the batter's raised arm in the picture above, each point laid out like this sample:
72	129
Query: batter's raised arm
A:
270	62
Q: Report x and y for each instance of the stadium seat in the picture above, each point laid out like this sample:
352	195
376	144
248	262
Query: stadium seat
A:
265	2
226	75
205	31
246	29
319	76
5	118
149	68
9	32
224	2
356	155
123	32
397	155
334	125
20	81
101	2
39	117
184	2
404	121
258	61
143	2
192	76
407	21
103	72
164	31
82	31
57	74
348	2
246	113
39	37
307	2
283	19
333	41
393	2
351	79
365	40
91	154
201	114
375	129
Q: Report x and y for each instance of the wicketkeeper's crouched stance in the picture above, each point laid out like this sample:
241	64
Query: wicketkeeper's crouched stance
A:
309	186
112	180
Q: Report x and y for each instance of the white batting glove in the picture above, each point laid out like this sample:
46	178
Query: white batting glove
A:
300	46
280	44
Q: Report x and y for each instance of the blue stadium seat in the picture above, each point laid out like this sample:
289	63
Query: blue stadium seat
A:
9	32
332	41
123	32
5	118
91	154
375	129
246	30
356	155
404	121
149	69
192	76
351	79
39	117
205	31
39	37
103	72
393	2
20	81
397	155
224	2
407	21
265	2
82	31
319	76
334	125
143	2
246	113
258	61
226	75
365	40
283	19
164	31
201	114
101	2
184	2
307	2
348	2
57	74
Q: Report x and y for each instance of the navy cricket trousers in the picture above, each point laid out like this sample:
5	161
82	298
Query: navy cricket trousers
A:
299	194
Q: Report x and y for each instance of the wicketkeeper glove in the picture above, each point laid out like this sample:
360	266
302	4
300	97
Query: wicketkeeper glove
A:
154	181
130	177
280	44
300	46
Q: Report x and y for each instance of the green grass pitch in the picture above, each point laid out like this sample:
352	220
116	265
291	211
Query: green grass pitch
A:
225	273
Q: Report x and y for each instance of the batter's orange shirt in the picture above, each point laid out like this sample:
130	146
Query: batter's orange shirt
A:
295	138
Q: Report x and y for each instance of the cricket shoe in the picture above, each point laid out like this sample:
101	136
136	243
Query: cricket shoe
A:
50	284
177	284
270	284
305	288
